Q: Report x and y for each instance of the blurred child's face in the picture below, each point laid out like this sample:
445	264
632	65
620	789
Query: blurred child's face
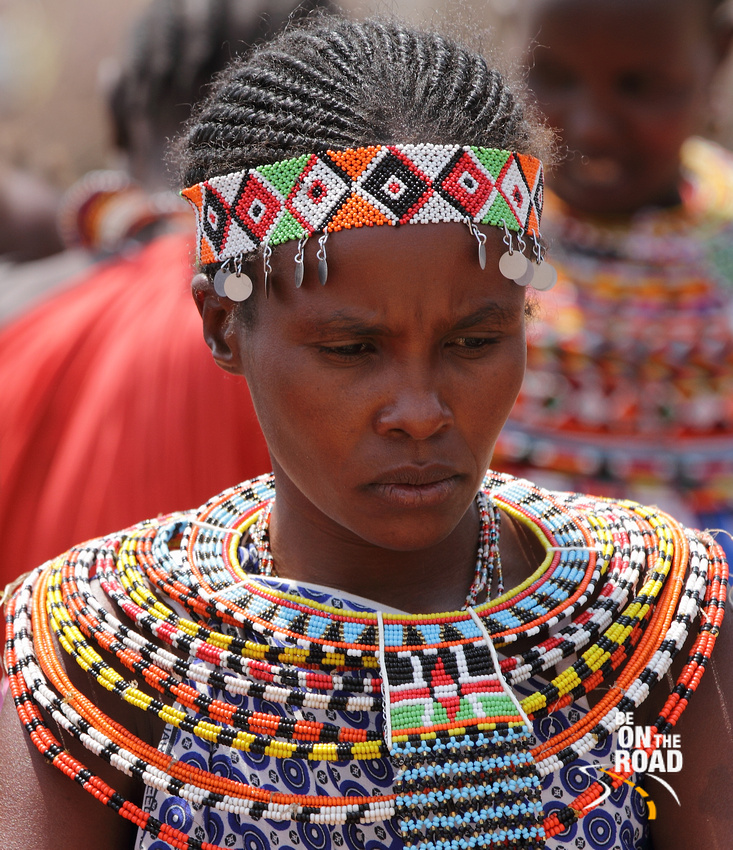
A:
625	82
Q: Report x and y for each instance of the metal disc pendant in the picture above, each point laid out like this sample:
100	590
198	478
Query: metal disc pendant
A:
512	265
238	287
219	279
482	255
545	277
528	277
299	269
322	272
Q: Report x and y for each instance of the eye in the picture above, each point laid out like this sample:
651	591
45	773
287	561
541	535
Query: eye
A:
351	352
471	344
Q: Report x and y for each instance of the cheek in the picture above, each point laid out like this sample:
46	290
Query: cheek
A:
488	400
296	409
268	388
656	145
666	127
512	376
665	123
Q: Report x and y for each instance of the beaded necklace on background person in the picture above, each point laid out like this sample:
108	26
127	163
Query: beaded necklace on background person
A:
628	387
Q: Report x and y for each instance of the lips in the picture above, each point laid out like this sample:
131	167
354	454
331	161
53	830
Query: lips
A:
416	476
416	486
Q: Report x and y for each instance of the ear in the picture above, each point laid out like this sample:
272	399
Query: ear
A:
219	329
722	35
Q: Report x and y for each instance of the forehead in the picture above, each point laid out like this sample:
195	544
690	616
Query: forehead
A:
407	276
656	25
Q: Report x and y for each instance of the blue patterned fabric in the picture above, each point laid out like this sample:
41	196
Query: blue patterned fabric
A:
619	824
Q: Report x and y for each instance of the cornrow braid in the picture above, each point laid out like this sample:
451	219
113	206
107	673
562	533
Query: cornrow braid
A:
334	82
176	47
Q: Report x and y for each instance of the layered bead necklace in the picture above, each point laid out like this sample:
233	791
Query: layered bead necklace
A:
630	375
621	586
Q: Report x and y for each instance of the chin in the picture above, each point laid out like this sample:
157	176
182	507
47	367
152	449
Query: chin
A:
410	535
617	199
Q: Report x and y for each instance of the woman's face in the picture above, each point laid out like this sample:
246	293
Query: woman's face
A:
381	394
624	82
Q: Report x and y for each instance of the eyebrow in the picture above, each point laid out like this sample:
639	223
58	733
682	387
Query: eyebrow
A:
493	312
342	321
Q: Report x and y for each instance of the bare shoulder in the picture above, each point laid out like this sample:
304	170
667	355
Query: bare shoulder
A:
42	808
704	816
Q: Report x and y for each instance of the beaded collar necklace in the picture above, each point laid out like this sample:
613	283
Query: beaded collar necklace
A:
245	212
256	556
625	585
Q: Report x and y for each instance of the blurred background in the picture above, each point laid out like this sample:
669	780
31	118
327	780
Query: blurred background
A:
81	417
57	56
52	60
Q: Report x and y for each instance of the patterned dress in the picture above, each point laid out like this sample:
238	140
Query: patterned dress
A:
618	824
629	386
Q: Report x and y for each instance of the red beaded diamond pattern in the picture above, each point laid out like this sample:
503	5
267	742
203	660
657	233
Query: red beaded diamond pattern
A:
257	208
390	184
319	192
469	184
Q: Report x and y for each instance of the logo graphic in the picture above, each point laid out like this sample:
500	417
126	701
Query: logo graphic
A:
651	807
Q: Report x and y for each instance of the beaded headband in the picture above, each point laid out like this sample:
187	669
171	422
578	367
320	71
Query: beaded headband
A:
242	212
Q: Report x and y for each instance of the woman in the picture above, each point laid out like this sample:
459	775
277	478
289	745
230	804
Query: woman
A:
628	383
315	706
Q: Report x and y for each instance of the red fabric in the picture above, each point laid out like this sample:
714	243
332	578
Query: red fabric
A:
112	410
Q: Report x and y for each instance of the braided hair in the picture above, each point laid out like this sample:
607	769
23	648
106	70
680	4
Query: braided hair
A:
175	49
338	83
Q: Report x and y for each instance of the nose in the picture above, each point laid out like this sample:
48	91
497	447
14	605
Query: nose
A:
591	125
414	409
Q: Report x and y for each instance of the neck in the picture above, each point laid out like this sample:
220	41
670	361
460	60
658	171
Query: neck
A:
315	550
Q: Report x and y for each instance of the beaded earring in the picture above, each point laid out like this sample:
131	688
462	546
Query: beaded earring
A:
231	282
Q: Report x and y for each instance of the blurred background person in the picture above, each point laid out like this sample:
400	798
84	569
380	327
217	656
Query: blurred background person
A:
32	256
85	419
28	206
630	374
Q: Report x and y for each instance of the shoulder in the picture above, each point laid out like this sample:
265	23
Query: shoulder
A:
703	816
43	734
